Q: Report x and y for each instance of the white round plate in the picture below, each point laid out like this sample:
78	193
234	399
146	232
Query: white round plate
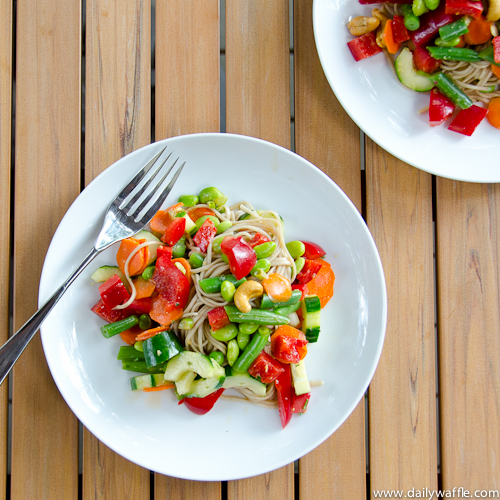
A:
388	112
235	439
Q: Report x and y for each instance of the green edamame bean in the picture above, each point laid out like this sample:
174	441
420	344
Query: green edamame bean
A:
450	43
212	194
419	8
262	266
227	290
264	330
248	328
299	264
296	249
242	339
179	249
265	250
217	243
224	226
147	274
217	356
138	346
226	333
224	259
432	4
189	200
196	260
201	220
186	324
144	322
233	351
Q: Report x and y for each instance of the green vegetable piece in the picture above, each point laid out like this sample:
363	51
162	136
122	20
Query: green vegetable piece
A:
213	285
248	328
189	200
141	367
217	356
261	267
161	347
226	333
419	7
195	260
412	22
212	194
216	243
227	290
147	274
144	322
267	303
201	220
242	338
450	90
451	43
258	316
138	346
211	204
119	326
179	249
299	264
296	249
452	30
224	258
264	330
233	351
224	226
129	353
487	55
287	310
431	4
252	350
186	324
454	54
265	250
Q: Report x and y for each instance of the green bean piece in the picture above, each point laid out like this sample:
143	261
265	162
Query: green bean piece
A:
119	326
196	260
412	22
248	328
487	55
138	346
419	7
251	351
216	243
454	54
242	339
211	204
129	353
227	290
451	43
450	90
212	194
287	310
179	249
226	333
147	274
261	267
299	264
258	316
141	367
296	248
189	200
453	30
224	226
186	324
144	322
201	220
267	303
224	258
218	356
233	351
265	250
263	330
431	4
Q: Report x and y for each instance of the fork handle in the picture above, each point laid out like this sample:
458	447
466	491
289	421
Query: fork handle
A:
13	348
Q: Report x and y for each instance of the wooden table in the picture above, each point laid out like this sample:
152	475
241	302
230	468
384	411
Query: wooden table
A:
77	92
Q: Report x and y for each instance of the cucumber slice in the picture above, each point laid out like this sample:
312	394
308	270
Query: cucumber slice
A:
160	348
105	272
311	317
203	387
146	235
312	304
409	76
147	381
183	385
299	377
191	227
245	380
188	361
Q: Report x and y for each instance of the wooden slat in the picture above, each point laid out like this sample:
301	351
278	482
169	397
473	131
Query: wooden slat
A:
402	395
47	179
5	152
468	262
117	121
187	97
326	136
258	104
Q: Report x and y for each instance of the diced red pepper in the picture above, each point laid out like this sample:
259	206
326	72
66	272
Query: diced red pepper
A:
364	46
496	49
170	282
258	239
205	235
110	316
218	318
471	8
139	306
174	231
240	254
467	120
430	24
313	250
423	61
164	251
302	288
113	292
286	349
399	31
440	108
284	389
299	403
309	271
200	406
266	368
369	2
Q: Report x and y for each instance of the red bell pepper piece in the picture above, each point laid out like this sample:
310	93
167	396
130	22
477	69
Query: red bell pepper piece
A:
430	24
205	235
284	389
440	108
113	292
302	288
423	61
467	120
110	316
471	8
364	46
286	349
309	271
164	251
139	306
200	406
399	31
218	318
313	250
299	403
240	254
369	2
258	239
170	282
265	368
496	49
174	231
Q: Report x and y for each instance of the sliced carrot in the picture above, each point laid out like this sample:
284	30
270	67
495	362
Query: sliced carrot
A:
147	334
129	336
391	45
185	264
277	287
494	112
495	70
158	388
143	288
196	213
322	284
479	31
163	218
138	262
164	313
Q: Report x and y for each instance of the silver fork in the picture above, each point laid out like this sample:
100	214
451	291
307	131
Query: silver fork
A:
130	212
